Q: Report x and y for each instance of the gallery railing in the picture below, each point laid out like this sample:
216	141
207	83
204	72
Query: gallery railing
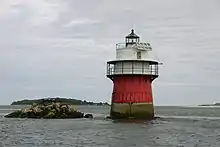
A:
143	69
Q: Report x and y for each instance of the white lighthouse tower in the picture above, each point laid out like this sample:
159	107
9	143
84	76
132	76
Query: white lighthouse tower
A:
132	73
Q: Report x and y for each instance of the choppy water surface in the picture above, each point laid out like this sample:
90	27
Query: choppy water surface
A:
178	127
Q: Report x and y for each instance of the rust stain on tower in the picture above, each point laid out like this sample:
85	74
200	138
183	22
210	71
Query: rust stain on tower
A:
132	74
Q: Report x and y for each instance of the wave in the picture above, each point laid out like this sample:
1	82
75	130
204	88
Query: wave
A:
3	114
192	106
201	106
192	117
12	109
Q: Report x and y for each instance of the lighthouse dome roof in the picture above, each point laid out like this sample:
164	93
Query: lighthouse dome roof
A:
132	35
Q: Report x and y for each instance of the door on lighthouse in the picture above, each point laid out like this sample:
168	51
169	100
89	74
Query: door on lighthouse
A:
138	54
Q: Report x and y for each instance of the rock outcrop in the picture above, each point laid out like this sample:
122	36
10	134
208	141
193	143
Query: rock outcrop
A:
88	116
47	110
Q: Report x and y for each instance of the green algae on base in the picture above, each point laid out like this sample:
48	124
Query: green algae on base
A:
132	110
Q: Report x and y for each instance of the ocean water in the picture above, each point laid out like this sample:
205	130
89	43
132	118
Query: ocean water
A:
177	127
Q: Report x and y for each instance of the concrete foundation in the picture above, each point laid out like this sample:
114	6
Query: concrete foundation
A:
132	110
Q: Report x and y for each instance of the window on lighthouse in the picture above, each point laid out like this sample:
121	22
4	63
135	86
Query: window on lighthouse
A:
139	55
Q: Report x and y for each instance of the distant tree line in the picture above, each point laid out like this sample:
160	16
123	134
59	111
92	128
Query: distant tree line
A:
68	101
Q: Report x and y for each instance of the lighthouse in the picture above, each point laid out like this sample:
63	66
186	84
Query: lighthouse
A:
132	73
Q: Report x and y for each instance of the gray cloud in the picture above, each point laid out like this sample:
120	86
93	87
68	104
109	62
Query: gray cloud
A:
60	48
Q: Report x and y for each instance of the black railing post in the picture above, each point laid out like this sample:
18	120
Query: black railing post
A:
122	67
132	67
107	69
151	68
114	68
157	69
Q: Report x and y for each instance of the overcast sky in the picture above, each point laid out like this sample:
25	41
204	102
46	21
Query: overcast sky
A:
60	47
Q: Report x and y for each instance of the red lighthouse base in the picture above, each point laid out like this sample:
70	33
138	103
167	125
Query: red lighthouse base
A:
132	97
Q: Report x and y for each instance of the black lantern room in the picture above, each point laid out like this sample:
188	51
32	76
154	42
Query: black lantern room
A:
132	38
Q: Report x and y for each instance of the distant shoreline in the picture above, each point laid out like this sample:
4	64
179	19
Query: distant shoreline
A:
215	104
69	101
